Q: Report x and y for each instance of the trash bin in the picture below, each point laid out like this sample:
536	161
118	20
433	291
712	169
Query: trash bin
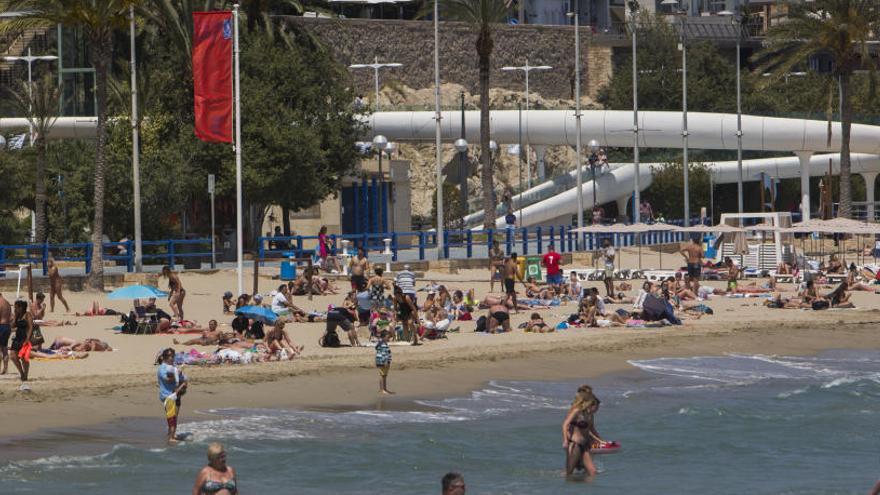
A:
288	270
190	262
533	268
521	267
228	246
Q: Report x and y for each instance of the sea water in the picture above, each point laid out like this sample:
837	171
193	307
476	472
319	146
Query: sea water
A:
727	424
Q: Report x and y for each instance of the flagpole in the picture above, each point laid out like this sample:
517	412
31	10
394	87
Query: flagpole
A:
135	153
238	202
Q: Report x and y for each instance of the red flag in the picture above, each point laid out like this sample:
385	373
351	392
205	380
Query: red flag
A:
212	75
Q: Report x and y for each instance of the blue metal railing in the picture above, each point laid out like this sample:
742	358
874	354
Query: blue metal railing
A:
168	252
458	244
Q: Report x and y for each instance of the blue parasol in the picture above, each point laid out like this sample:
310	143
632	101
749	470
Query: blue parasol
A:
258	313
136	292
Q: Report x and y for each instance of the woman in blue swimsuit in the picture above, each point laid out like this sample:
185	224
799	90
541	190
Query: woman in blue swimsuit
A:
216	478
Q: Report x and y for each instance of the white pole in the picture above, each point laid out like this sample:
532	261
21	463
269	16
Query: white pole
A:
30	60
135	151
637	188
739	133
684	121
577	117
528	148
238	201
213	235
376	79
437	129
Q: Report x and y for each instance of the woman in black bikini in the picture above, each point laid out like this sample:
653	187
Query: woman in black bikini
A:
579	432
23	324
177	292
405	310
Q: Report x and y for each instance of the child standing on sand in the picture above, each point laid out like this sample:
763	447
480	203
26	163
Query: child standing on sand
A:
383	360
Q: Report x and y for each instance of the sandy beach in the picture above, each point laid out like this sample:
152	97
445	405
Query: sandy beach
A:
121	384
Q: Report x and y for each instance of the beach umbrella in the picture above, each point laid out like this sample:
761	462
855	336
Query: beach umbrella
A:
257	313
136	292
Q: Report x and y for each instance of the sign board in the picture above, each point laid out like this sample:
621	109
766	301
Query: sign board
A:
210	183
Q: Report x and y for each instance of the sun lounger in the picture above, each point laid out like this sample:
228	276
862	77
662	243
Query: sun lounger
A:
656	275
585	274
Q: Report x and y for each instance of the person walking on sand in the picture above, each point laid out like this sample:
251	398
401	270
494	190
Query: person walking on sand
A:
608	255
511	273
383	361
172	385
55	287
5	333
693	256
217	478
176	292
21	342
496	265
452	484
358	267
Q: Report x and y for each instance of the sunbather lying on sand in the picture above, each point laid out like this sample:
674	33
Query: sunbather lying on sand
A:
61	354
536	324
87	345
210	336
97	310
491	300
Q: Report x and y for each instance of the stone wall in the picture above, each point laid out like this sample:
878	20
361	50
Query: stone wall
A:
412	43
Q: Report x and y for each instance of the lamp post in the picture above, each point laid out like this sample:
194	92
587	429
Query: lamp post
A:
594	148
135	154
526	69
375	66
637	202
30	60
437	130
736	20
577	113
380	142
462	163
682	11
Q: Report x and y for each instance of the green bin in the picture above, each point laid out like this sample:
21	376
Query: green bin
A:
533	268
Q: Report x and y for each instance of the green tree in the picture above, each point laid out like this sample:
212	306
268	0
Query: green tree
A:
482	15
38	101
839	29
667	189
98	19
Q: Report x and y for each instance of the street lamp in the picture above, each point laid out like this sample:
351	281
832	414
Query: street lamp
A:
594	148
682	11
736	20
375	66
577	113
437	131
526	69
637	202
30	60
380	142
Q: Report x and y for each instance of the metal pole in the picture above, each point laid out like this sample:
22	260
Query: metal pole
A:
238	200
437	117
684	121
213	236
463	171
528	149
135	150
577	117
637	202
376	79
739	133
519	160
30	60
381	199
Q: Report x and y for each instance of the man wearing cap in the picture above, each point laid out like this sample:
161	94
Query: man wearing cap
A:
406	280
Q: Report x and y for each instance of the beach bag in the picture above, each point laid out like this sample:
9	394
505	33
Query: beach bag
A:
129	323
329	339
481	324
37	337
820	305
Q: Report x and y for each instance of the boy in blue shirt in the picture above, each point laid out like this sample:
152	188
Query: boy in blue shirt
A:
383	361
172	384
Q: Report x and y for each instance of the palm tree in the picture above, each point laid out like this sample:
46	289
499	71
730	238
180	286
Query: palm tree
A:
839	29
482	15
39	103
98	19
